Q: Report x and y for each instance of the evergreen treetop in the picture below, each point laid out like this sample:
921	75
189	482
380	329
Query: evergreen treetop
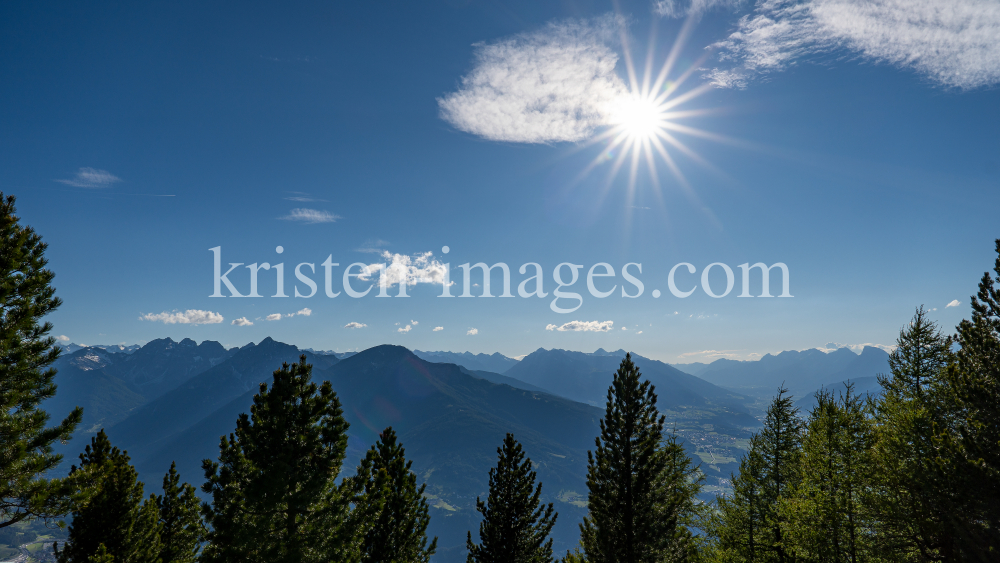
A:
26	380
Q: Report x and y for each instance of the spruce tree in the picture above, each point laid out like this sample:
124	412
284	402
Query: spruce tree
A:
916	484
26	380
750	527
274	493
115	521
399	530
974	383
826	516
629	483
516	525
181	527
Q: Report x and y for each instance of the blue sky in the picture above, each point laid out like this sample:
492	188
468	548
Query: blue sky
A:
855	143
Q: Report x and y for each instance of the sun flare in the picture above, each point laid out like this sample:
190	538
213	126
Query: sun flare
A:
638	117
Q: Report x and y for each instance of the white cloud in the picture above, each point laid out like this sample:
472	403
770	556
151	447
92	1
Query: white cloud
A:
92	178
583	326
555	84
683	8
624	328
952	42
310	216
189	317
414	323
710	354
954	303
274	317
640	332
62	338
303	197
305	312
406	328
472	332
242	321
355	325
438	329
420	268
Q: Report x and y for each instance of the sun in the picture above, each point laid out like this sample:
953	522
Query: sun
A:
638	118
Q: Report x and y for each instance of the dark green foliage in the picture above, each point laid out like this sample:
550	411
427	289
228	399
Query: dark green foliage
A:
274	495
26	352
826	516
974	385
115	517
516	525
750	526
181	528
634	508
399	528
916	483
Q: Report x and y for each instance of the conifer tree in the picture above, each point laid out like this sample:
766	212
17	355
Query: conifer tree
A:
115	521
181	527
628	478
974	383
399	530
916	484
826	516
26	380
274	493
516	525
750	526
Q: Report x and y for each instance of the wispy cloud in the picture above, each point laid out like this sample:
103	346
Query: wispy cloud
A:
304	312
472	332
242	321
952	42
695	8
583	326
355	325
710	354
189	317
91	178
954	303
404	329
303	197
62	338
310	216
373	246
273	317
555	84
438	329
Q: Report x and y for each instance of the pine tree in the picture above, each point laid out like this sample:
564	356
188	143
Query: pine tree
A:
750	527
274	493
399	531
681	512
26	380
516	525
628	478
974	383
826	515
181	527
115	521
915	483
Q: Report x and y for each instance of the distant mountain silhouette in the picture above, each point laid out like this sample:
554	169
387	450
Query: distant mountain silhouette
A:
494	363
586	377
110	385
801	372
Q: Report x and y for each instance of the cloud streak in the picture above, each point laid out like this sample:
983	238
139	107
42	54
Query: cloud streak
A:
556	84
583	326
310	216
91	178
952	42
189	317
353	325
242	321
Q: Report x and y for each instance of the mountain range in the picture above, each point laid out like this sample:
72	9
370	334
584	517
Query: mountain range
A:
171	401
